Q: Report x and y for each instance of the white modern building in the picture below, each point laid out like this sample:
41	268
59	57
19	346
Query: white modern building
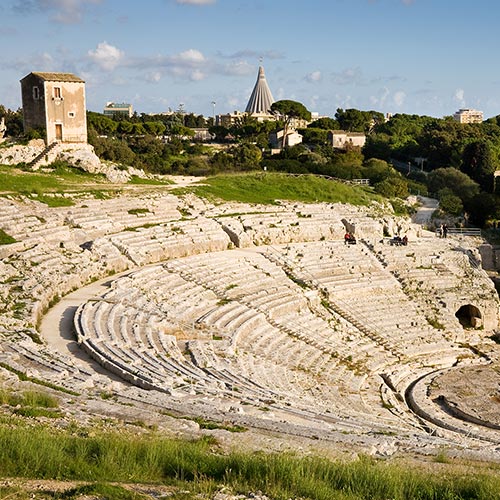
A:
118	109
468	116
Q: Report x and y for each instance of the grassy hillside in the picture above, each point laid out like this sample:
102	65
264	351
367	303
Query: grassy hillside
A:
47	186
263	188
101	457
266	188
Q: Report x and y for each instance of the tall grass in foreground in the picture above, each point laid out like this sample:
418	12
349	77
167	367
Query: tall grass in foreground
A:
266	188
43	453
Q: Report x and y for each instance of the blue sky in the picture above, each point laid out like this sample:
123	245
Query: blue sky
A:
427	57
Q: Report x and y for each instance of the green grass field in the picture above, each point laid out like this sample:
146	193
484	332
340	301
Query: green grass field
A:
267	188
261	188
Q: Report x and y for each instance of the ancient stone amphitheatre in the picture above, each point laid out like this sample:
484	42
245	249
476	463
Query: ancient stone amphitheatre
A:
257	316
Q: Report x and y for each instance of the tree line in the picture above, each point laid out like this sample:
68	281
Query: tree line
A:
456	162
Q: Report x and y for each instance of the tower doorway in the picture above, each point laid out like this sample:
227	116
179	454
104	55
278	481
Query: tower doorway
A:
59	132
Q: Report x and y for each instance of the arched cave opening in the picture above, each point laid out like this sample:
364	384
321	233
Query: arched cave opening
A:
469	316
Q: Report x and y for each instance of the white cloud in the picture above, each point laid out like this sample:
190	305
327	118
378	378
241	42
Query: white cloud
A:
349	76
240	68
106	56
313	101
344	101
197	75
190	64
196	2
190	57
379	100
154	77
253	54
39	61
315	76
64	11
460	97
399	98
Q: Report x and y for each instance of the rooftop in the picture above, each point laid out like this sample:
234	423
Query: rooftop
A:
261	99
56	77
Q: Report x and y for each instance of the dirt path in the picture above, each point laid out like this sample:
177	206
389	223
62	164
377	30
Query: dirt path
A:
424	214
57	325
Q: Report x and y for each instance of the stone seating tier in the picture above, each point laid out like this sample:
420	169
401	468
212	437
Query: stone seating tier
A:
244	324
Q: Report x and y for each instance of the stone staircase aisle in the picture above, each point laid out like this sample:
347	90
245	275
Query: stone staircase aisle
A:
43	157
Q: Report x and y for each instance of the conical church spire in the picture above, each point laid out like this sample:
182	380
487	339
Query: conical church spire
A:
261	99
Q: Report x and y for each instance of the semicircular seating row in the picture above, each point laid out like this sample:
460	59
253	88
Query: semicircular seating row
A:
237	322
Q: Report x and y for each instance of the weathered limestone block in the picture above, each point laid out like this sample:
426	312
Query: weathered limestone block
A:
12	249
20	153
487	257
237	234
364	228
81	155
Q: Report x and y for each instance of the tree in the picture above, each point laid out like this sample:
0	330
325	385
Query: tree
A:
290	111
138	129
181	131
393	187
103	125
354	120
450	202
246	156
314	135
377	170
442	142
481	208
478	163
220	132
13	121
459	183
325	123
125	127
154	128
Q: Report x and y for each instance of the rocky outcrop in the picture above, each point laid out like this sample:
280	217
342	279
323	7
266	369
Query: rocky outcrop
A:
16	154
75	155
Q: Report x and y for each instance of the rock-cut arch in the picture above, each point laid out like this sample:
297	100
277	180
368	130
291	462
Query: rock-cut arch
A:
469	316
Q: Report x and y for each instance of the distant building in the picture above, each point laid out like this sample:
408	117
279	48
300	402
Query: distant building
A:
261	99
202	134
276	139
229	119
259	107
340	139
468	116
118	109
55	102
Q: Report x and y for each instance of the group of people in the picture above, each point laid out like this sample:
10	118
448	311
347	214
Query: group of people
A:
349	238
443	231
398	241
